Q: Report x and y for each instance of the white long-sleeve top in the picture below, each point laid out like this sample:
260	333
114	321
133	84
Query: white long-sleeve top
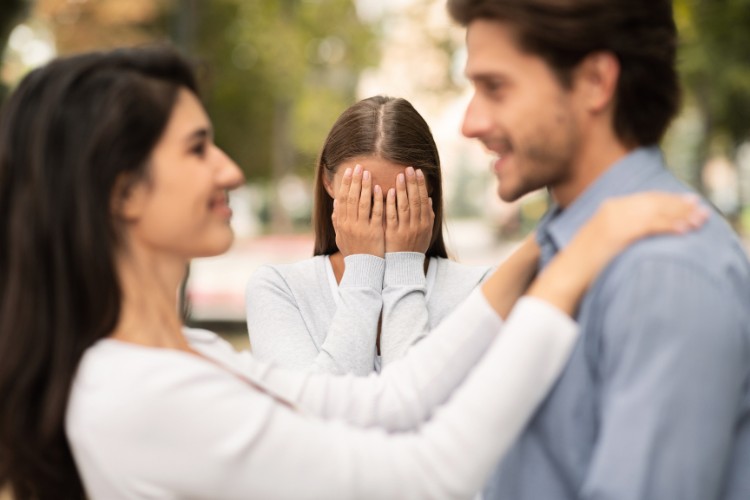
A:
298	317
156	423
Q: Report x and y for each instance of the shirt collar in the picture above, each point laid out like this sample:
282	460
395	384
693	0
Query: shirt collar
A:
624	176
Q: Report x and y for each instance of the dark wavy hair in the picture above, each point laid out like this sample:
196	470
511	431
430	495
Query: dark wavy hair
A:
389	128
640	33
72	136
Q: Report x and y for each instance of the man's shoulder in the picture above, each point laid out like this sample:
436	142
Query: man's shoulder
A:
713	258
712	247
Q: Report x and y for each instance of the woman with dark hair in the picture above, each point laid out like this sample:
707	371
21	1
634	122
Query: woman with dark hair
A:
109	184
360	303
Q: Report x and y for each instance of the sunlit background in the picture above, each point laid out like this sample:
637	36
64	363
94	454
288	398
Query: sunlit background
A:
276	74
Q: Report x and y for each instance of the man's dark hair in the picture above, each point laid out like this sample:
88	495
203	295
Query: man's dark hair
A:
640	33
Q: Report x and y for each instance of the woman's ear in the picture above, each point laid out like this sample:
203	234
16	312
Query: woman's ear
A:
128	197
328	185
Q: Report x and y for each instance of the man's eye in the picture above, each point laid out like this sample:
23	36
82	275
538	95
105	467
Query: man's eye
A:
493	87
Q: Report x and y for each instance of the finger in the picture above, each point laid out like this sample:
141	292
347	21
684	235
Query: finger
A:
402	199
427	210
664	213
412	190
391	218
355	189
424	197
365	198
685	213
343	194
377	205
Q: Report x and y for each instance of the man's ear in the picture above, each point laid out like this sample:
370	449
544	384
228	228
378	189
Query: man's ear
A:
128	197
596	80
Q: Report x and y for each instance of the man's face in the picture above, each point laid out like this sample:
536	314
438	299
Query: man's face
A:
519	111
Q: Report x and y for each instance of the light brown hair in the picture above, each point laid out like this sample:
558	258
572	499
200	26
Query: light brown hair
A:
385	127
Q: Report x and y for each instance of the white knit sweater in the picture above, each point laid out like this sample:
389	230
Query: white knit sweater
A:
298	317
156	423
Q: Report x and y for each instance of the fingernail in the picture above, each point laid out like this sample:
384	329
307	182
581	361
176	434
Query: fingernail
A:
366	175
358	169
698	217
400	178
348	172
377	188
691	197
391	193
420	175
410	171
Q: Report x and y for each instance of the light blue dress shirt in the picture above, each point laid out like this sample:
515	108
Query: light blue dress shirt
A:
655	401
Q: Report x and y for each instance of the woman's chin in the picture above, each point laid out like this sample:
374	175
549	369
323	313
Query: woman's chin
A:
216	247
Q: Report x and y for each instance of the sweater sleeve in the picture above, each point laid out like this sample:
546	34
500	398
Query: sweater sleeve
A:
279	333
406	310
242	443
405	318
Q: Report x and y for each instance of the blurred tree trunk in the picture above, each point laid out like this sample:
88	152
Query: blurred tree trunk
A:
185	25
282	162
282	148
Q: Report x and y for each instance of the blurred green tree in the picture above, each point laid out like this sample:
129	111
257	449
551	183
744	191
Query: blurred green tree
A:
715	65
279	73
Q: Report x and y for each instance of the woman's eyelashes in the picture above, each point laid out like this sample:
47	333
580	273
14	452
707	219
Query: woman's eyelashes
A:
199	149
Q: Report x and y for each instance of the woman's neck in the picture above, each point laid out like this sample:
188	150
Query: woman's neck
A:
149	310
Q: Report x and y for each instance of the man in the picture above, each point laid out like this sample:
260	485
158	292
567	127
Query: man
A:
574	95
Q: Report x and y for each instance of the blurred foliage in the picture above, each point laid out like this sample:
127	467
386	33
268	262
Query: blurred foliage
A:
715	65
280	72
11	13
82	25
275	73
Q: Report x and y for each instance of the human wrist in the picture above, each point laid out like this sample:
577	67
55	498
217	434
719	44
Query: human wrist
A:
363	270
404	269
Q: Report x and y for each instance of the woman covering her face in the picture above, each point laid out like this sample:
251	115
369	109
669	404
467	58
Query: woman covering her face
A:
374	287
109	184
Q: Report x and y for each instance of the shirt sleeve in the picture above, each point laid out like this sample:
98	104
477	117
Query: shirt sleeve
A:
278	331
405	318
671	373
211	438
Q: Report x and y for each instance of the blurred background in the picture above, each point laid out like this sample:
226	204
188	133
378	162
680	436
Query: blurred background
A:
276	74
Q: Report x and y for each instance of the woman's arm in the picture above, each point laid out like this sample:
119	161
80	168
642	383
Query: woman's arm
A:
405	318
201	432
409	222
279	332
